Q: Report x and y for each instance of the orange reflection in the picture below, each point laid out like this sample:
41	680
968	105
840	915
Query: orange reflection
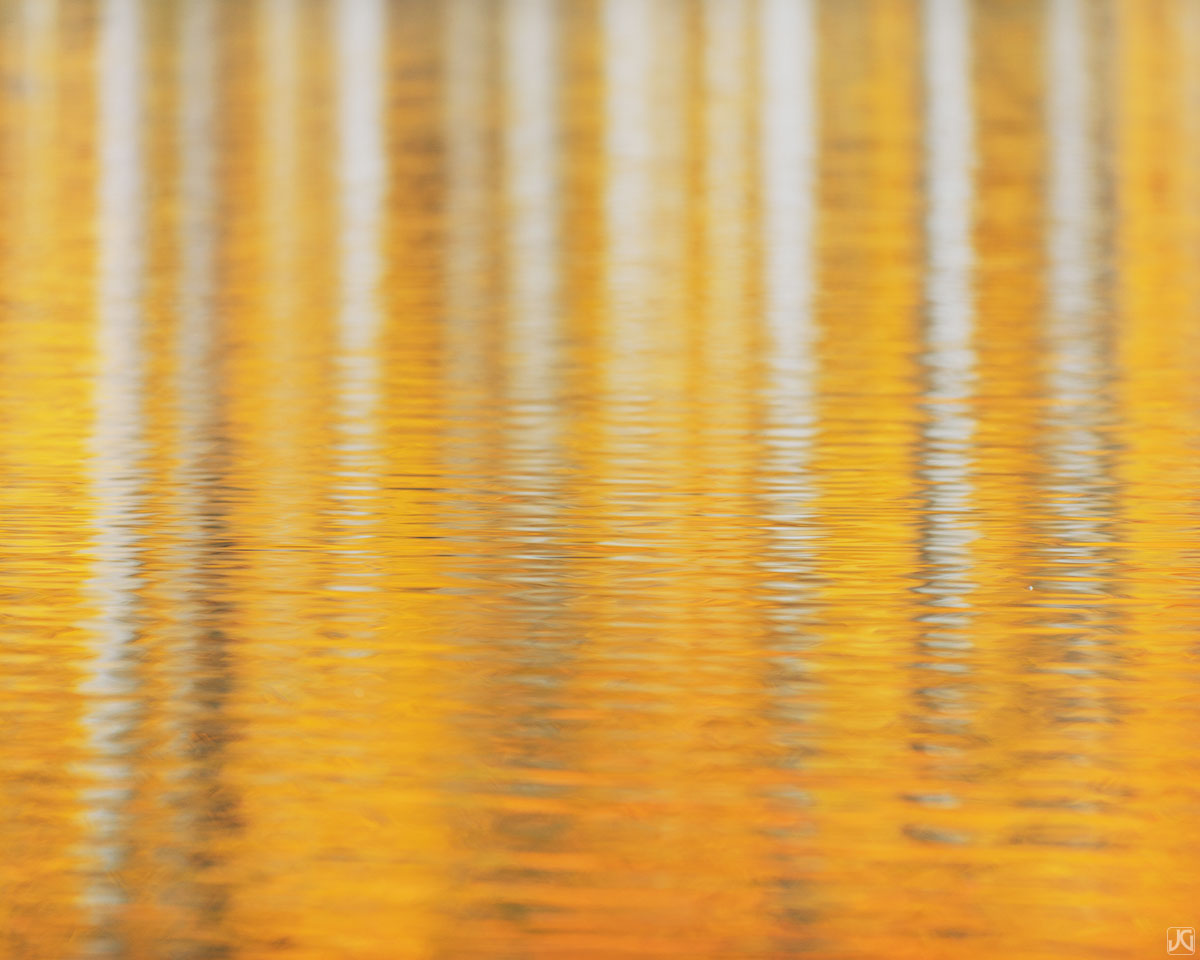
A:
598	478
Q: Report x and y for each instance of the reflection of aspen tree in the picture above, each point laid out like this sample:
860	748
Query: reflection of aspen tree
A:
1009	237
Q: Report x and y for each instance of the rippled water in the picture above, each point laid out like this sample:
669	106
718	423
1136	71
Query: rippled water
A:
599	479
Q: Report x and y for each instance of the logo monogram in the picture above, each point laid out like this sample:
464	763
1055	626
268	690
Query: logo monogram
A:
1181	941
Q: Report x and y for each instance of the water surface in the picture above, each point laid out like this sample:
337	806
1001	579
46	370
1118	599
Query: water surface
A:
599	479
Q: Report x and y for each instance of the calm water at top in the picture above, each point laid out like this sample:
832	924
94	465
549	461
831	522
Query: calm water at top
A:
599	479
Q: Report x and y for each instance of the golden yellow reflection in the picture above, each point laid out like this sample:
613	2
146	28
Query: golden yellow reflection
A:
598	478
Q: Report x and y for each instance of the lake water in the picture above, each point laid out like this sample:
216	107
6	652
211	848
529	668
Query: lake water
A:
599	479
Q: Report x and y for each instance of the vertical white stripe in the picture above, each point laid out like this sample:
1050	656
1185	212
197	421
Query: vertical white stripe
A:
950	357
630	136
1071	175
788	175
362	169
118	433
361	166
530	84
789	143
531	187
1072	195
1072	198
361	188
1075	356
1076	490
949	137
